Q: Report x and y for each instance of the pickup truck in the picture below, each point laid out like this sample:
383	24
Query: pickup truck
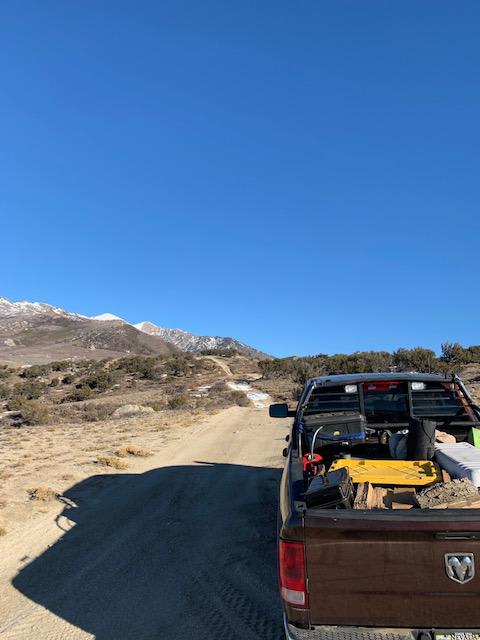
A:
348	572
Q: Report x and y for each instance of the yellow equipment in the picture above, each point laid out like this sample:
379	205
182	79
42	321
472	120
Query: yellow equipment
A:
395	472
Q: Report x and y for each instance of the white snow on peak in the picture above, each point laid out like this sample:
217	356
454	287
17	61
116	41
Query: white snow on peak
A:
8	308
141	326
109	316
153	329
188	342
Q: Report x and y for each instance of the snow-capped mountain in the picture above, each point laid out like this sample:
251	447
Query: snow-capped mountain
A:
9	309
188	342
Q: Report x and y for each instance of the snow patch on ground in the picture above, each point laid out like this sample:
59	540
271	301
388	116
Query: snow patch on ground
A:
204	388
260	400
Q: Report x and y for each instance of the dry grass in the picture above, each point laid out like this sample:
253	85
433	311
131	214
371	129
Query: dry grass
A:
156	406
112	461
133	450
43	494
2	531
64	462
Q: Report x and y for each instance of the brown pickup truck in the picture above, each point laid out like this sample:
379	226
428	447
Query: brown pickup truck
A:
374	541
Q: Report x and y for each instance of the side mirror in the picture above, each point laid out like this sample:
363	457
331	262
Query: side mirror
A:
278	410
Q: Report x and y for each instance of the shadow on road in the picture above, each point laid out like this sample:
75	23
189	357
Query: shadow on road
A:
174	553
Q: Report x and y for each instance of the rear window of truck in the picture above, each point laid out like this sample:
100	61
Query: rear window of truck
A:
438	400
331	400
389	403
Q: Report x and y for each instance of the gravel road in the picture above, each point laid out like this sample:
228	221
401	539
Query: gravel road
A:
184	550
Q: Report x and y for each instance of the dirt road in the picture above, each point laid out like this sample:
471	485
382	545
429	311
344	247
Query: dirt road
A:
183	550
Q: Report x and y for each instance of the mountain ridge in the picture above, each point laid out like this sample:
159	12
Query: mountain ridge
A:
186	341
40	332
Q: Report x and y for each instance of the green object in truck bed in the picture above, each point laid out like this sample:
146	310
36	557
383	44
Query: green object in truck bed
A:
474	437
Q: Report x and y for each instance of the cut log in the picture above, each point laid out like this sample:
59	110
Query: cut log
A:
446	476
445	438
381	494
401	505
366	497
370	497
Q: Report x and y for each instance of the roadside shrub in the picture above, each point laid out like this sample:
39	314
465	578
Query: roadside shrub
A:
418	359
33	413
15	402
178	402
112	461
5	391
30	390
68	379
95	412
143	366
454	353
79	394
43	494
174	389
227	352
60	365
182	365
275	367
474	353
35	371
99	380
133	450
300	369
218	388
156	406
239	398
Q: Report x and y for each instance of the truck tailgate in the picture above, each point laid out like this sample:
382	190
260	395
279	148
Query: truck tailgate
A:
373	572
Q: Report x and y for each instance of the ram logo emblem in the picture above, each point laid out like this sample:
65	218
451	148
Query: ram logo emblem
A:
460	567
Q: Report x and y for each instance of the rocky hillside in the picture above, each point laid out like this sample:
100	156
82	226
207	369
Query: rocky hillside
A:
195	344
34	333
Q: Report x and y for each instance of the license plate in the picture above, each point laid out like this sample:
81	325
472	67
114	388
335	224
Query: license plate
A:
465	634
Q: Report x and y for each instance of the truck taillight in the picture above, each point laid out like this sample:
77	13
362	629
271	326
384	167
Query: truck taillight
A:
381	386
291	573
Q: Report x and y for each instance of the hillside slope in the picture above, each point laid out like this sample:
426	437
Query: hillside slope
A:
195	344
36	333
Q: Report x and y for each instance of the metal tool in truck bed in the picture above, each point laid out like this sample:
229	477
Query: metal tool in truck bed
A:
361	568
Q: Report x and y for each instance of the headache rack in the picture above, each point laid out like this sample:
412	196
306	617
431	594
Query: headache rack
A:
391	402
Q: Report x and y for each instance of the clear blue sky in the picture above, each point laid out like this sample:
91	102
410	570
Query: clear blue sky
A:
303	176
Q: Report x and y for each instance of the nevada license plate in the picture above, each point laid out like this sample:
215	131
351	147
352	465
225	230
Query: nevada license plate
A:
465	634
